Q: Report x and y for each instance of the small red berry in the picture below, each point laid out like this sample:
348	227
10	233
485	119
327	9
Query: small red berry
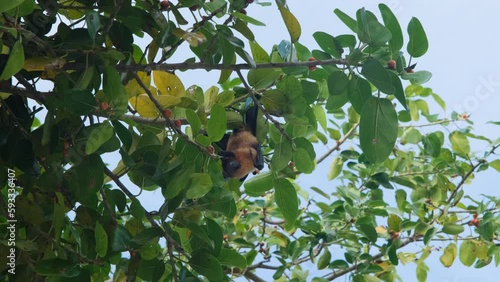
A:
312	67
193	8
178	122
165	5
104	106
249	1
167	113
391	64
243	11
226	237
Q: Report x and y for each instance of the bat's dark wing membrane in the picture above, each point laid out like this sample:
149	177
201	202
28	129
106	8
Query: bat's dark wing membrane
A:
258	162
251	119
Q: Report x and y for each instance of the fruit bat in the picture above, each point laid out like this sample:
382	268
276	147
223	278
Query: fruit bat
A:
241	151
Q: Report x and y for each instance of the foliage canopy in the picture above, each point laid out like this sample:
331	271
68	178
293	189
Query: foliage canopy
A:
397	174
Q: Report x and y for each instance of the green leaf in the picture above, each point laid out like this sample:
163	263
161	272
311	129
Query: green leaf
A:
292	24
274	100
378	76
147	235
422	270
121	239
258	53
378	129
57	267
319	113
136	209
335	168
359	91
15	62
194	121
347	20
337	82
467	253
282	155
399	93
217	123
418	44
303	161
248	19
394	223
418	77
432	145
449	255
93	23
201	183
452	229
495	164
429	234
262	78
7	5
101	240
232	258
324	259
150	269
400	198
286	199
99	135
391	22
460	143
207	265
79	102
365	225
86	178
115	91
259	184
328	43
197	231
370	30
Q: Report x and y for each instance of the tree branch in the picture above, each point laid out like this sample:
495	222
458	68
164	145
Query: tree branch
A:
339	143
205	66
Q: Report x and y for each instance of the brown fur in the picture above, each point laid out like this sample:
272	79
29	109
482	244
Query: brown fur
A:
241	143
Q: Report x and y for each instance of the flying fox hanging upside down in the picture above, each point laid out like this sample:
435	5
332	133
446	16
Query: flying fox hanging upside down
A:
242	153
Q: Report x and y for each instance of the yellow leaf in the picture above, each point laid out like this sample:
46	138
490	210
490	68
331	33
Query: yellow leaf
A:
168	84
133	88
194	39
282	239
291	22
146	108
381	229
43	63
210	96
449	255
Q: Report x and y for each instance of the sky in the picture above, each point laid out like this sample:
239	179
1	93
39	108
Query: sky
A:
463	58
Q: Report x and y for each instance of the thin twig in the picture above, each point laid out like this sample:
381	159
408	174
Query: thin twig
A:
339	143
